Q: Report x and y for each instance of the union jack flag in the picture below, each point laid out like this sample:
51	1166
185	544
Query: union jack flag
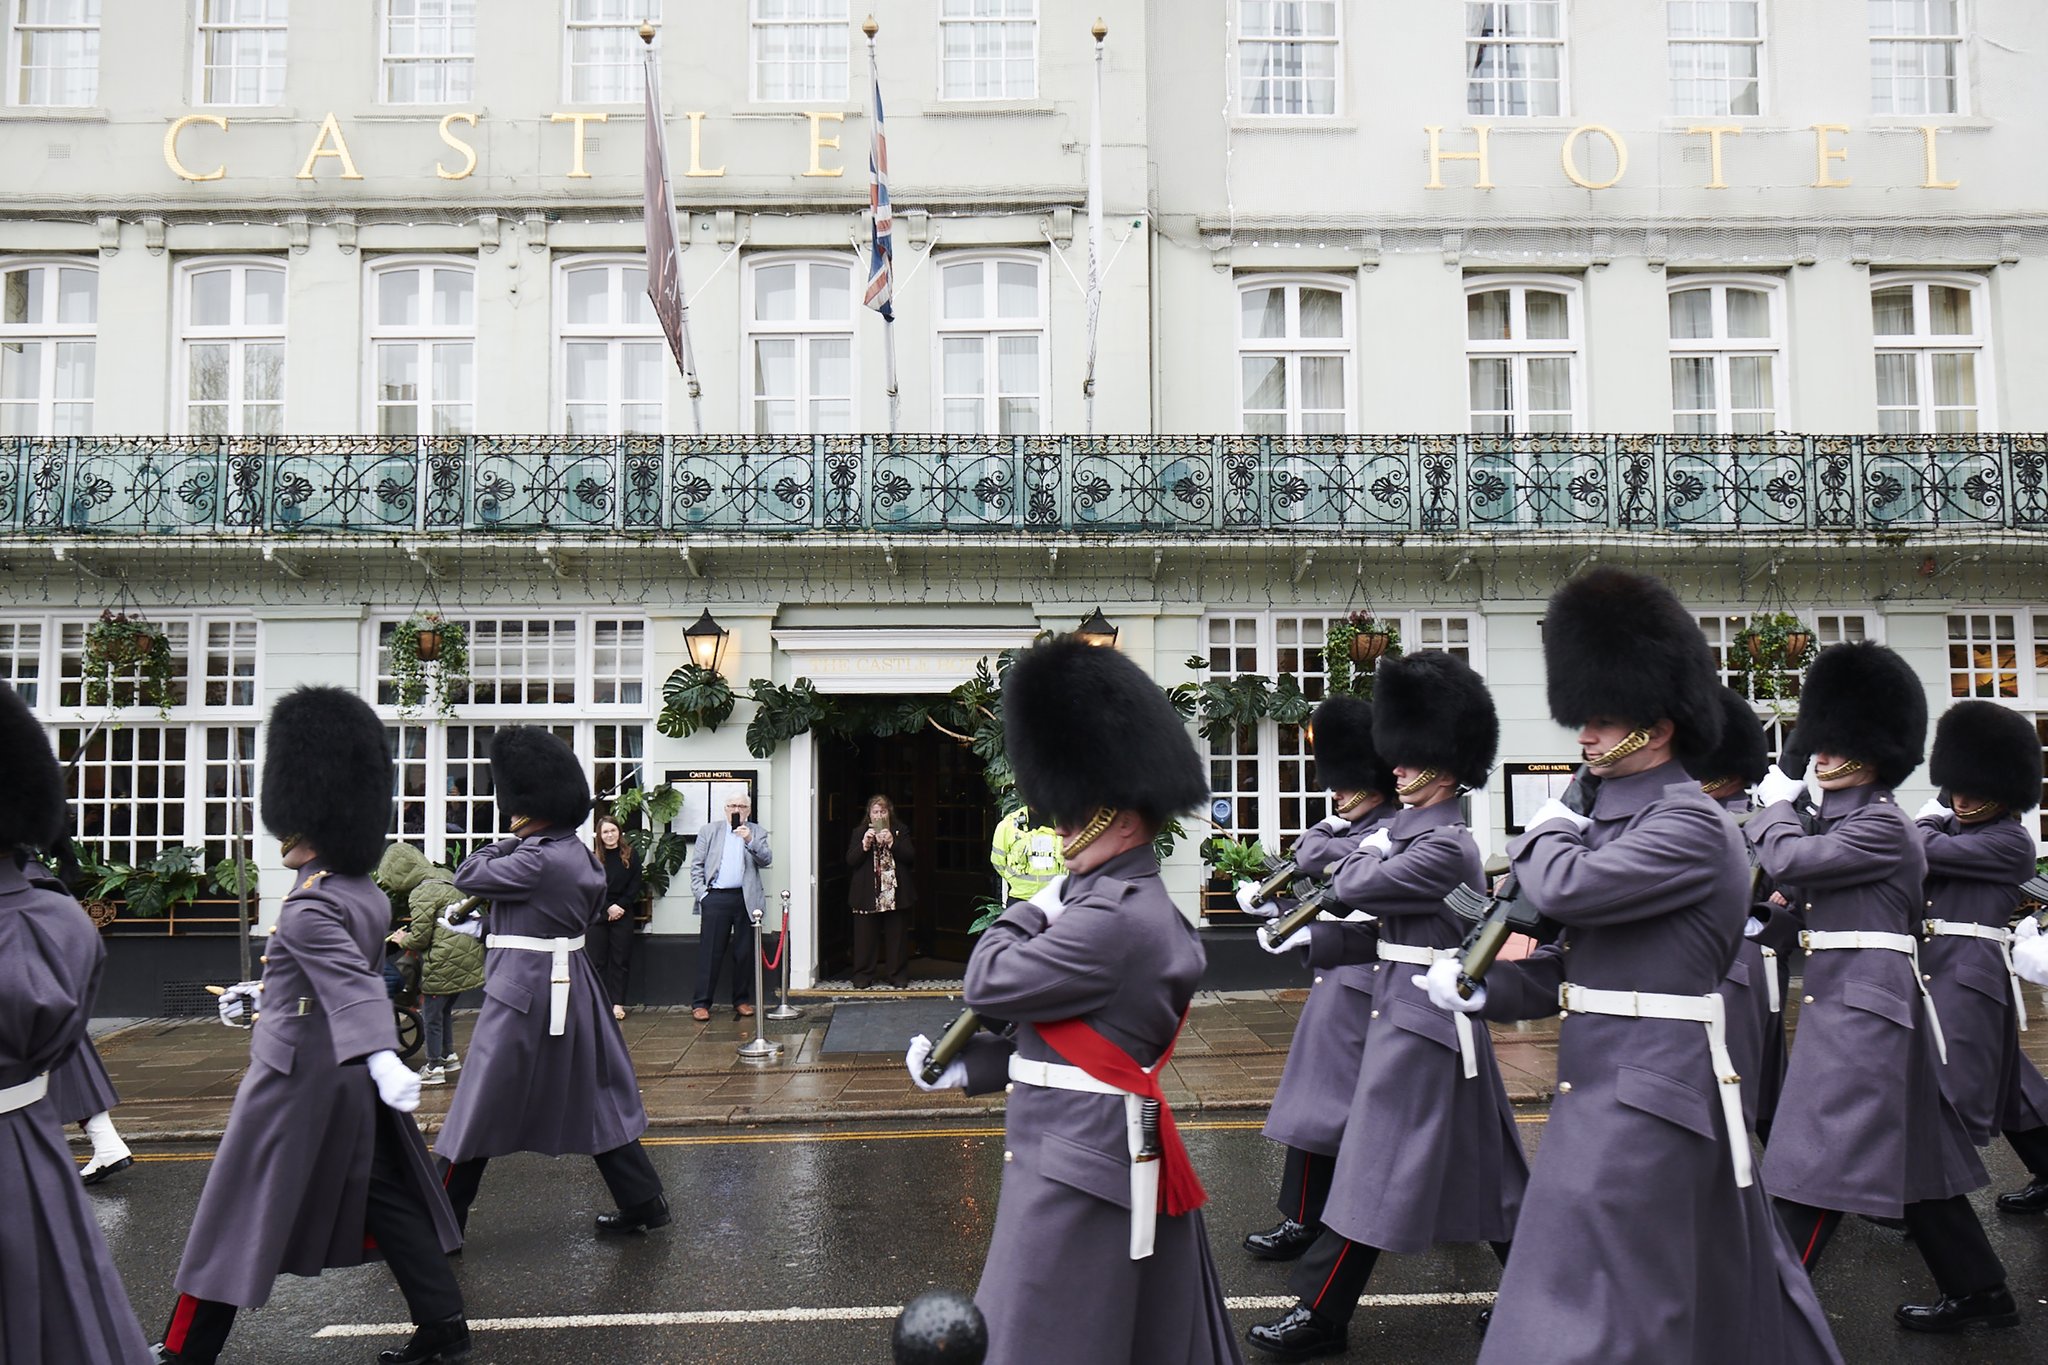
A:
881	240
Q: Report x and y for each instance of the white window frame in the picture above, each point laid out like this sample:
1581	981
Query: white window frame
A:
571	26
1720	348
803	331
825	98
389	63
1958	41
50	334
237	336
18	30
1519	349
1247	40
980	22
993	328
1675	45
424	336
615	336
2029	625
202	26
1925	345
1562	42
1293	347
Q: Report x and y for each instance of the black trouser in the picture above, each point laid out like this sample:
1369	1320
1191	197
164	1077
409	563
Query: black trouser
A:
609	946
394	1221
1331	1276
627	1172
887	930
726	935
2030	1145
1945	1231
1305	1185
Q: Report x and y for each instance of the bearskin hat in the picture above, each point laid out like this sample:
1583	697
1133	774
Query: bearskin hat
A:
327	776
1345	758
1864	702
1984	750
32	798
1086	730
538	777
1619	644
1743	752
1430	710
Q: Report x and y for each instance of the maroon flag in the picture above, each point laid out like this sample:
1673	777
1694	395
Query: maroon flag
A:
664	258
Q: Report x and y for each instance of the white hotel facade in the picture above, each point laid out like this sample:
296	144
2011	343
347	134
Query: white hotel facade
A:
314	315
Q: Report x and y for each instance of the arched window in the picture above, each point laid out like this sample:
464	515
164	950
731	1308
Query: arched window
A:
991	345
1932	370
799	312
231	347
1727	356
612	369
1294	340
1522	355
423	346
49	316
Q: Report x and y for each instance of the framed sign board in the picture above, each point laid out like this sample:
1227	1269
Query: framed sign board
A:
705	792
1529	785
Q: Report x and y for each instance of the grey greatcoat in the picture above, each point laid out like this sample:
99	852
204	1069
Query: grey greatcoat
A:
1863	1126
1973	876
60	1296
1059	1284
1635	1245
1314	1096
1428	1155
523	1089
288	1190
1750	1018
80	1086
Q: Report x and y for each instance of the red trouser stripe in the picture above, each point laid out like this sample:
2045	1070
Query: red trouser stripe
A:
1307	1163
181	1323
1819	1222
1342	1252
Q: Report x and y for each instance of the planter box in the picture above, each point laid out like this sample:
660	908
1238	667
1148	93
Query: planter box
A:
205	918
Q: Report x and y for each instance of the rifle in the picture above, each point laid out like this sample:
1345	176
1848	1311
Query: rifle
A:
954	1041
1312	903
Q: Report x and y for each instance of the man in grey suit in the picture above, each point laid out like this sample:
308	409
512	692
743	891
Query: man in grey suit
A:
725	879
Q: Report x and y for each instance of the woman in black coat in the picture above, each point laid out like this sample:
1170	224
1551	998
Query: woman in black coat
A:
882	894
609	940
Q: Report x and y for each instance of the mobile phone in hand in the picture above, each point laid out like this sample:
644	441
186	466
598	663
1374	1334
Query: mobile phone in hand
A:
734	817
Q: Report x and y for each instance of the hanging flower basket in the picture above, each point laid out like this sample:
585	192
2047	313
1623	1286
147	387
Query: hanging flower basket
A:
1767	649
1367	646
127	660
428	642
1797	642
1352	649
429	658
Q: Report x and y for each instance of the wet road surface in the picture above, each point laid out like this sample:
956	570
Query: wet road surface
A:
794	1246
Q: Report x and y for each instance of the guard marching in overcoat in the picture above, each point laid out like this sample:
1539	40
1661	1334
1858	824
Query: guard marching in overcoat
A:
321	1165
547	1070
60	1296
82	1093
1863	1126
1643	1239
1987	758
1431	1153
1321	1073
1100	1255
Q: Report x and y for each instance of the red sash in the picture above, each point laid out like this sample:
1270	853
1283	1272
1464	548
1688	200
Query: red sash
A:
1180	1191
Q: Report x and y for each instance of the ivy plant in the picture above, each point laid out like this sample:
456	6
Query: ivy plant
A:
443	676
1340	675
126	660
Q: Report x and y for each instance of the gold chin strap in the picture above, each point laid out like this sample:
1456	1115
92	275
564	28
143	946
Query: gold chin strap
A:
1983	810
290	842
1090	832
1630	743
1357	799
1845	768
1418	782
1716	785
519	823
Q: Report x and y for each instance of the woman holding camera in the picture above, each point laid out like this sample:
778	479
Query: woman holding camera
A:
881	896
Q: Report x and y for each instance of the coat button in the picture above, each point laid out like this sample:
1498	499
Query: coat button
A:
1806	1000
1375	966
1009	1156
1375	1014
1564	1087
1010	1089
1319	981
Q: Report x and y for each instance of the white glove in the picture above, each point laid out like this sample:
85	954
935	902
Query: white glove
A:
237	1004
954	1077
1752	926
1933	810
1298	939
1335	824
397	1084
2028	927
469	928
1048	899
1379	841
1359	917
2030	951
1777	787
1555	809
1442	984
1262	910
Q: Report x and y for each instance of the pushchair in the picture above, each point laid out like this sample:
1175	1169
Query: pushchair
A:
402	984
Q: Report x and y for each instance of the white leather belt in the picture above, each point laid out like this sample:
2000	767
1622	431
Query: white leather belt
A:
558	978
1144	1174
1771	978
1710	1010
27	1093
1424	957
1948	928
1815	941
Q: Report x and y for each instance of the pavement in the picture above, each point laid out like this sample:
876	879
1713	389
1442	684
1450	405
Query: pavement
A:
177	1077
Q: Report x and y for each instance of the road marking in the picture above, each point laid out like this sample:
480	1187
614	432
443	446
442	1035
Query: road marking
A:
739	1317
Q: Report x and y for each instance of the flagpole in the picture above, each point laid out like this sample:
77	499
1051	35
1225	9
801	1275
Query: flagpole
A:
878	167
1100	31
686	353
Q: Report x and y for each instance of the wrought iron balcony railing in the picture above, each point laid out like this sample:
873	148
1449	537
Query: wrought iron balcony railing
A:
1171	485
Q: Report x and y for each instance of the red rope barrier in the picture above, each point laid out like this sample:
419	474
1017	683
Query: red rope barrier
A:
781	942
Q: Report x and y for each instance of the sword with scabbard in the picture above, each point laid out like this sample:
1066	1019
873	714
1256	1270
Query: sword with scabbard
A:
1146	1164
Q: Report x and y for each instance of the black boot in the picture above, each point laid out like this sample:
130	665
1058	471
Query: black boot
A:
433	1343
1986	1310
2032	1199
1298	1336
639	1218
1287	1242
1483	1321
